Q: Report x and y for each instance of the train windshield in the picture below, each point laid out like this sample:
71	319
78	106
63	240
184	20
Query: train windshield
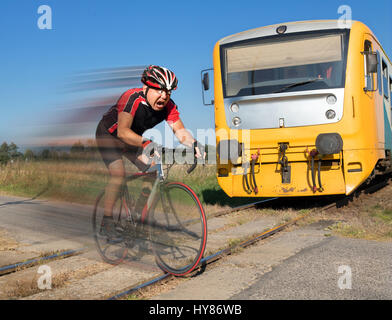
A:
285	63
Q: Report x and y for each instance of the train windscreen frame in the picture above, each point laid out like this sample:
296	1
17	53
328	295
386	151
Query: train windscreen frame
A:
285	63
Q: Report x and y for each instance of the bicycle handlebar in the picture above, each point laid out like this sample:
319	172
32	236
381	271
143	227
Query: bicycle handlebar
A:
192	167
169	150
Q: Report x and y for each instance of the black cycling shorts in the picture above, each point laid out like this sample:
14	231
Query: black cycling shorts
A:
112	149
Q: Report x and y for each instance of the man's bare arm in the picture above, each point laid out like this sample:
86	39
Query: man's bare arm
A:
182	134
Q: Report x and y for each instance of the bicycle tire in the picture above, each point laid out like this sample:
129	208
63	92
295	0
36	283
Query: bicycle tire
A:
112	253
178	229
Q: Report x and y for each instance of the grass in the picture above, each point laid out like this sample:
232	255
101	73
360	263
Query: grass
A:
7	243
68	180
82	181
233	242
370	221
28	285
379	212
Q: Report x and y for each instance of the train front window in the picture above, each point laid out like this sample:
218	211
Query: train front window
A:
297	62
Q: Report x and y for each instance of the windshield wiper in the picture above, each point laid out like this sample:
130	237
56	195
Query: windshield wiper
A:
297	84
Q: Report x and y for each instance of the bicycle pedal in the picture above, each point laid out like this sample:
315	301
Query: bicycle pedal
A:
120	229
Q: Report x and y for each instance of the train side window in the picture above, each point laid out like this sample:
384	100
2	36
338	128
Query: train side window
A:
385	79
371	66
390	89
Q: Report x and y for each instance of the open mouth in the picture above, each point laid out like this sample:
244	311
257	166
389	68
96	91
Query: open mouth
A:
160	104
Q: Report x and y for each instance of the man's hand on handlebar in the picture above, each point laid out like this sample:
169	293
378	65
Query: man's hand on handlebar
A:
152	153
199	150
151	149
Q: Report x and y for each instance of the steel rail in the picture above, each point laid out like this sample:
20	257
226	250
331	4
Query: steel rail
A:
252	239
220	254
7	269
33	262
160	278
242	207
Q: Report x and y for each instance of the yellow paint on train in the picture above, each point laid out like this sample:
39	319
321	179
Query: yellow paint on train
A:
284	148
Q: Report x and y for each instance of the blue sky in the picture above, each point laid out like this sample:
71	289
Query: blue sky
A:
90	34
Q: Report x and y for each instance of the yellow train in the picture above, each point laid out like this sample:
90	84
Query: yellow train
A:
301	109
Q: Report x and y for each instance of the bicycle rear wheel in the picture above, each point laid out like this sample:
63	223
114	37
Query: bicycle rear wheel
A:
178	229
113	253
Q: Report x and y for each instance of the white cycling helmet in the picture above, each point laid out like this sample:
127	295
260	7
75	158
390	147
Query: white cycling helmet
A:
159	78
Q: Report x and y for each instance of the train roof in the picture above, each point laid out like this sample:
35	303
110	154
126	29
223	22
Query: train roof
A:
297	26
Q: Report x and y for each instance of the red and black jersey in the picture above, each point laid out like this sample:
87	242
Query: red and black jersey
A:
144	116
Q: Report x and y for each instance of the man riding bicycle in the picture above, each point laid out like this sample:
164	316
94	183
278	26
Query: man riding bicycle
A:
119	133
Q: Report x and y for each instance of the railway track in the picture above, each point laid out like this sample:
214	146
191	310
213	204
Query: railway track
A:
212	257
219	254
38	261
371	188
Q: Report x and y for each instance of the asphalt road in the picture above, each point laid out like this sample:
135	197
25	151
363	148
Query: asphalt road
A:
301	264
35	221
334	268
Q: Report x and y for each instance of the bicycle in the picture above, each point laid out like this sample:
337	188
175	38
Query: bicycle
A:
173	221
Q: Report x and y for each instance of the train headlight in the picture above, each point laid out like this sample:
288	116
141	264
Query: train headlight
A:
236	121
223	172
331	99
330	114
234	108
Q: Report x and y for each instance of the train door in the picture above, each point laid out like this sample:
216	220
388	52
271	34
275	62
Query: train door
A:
373	89
385	72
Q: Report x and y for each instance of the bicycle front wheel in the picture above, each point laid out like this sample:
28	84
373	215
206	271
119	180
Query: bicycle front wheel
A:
178	229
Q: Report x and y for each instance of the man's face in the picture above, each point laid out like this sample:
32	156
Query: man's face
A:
157	98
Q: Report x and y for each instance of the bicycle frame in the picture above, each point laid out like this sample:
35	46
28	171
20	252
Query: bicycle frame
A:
160	177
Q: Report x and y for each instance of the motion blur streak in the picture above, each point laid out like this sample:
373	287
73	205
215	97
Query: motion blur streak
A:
89	94
107	78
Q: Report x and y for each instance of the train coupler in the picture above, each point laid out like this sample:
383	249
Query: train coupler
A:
313	154
252	170
250	185
285	167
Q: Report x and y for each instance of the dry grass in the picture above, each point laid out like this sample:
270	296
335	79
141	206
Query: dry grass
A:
7	243
66	180
80	181
369	217
151	291
371	223
28	286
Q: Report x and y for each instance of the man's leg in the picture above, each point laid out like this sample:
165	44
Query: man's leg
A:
112	190
111	150
117	174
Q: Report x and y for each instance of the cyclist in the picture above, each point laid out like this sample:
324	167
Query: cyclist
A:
119	133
